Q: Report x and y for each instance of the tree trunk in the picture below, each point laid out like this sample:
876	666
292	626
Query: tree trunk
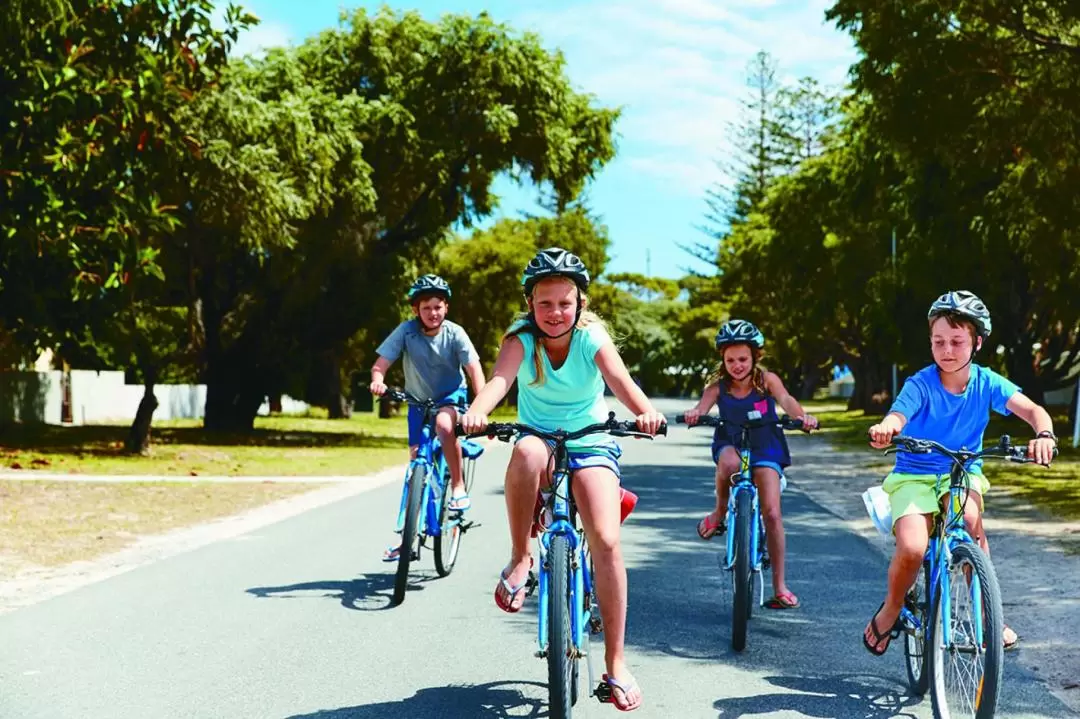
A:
811	378
870	393
233	394
138	439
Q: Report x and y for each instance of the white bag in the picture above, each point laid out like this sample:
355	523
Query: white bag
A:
876	500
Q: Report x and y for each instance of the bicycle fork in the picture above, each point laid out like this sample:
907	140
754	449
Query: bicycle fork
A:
760	562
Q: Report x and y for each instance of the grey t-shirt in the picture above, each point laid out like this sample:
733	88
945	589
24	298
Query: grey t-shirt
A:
432	363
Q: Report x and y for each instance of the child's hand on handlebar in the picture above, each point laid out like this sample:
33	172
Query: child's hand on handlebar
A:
1042	450
377	388
691	416
809	422
650	422
473	422
881	434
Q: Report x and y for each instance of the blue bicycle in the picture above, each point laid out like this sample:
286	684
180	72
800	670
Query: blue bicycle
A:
953	629
746	548
567	602
425	499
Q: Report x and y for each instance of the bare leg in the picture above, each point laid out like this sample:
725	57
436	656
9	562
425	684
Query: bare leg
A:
529	459
912	537
451	447
596	493
768	486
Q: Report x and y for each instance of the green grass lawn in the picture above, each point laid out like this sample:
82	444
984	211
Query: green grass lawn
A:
1055	489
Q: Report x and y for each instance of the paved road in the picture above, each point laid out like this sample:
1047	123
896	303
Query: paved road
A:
293	622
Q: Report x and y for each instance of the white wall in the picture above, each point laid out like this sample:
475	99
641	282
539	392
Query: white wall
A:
100	397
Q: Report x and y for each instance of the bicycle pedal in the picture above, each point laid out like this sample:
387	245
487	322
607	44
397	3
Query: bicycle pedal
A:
531	584
603	693
766	562
468	525
596	626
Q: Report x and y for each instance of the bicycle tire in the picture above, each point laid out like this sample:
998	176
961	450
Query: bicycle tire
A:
560	645
916	643
983	704
408	533
448	540
743	580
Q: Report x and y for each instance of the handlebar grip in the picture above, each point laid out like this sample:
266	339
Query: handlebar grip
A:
680	419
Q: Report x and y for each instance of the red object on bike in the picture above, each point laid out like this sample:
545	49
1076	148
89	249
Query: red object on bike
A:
627	501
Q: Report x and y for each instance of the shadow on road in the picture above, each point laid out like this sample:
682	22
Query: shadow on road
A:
854	695
367	592
496	700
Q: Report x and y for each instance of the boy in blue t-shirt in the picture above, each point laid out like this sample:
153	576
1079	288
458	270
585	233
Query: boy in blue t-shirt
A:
435	350
949	402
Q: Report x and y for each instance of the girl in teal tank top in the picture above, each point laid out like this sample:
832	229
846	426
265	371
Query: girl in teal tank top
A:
561	356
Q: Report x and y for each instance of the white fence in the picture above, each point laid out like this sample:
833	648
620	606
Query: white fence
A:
99	397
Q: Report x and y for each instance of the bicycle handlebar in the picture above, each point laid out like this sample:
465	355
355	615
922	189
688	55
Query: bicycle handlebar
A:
1004	449
711	420
400	395
505	430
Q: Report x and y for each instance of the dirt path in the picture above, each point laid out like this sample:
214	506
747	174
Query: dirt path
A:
1036	557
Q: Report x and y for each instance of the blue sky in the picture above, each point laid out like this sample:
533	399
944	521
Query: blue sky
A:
676	67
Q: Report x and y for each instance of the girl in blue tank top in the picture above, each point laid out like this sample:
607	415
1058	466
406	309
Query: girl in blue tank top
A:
740	386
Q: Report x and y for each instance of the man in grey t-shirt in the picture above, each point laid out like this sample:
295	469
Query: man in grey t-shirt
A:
435	350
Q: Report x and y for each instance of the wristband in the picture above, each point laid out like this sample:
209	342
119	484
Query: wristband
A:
1047	434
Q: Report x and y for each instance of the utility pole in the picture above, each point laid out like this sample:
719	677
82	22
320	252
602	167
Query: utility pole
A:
893	397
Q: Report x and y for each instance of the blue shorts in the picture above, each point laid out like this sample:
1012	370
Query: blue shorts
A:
602	455
416	415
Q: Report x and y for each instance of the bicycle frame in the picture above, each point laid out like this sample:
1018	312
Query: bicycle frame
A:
580	580
744	482
429	456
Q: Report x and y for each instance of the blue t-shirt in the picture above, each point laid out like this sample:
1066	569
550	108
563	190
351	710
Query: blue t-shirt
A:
570	397
957	421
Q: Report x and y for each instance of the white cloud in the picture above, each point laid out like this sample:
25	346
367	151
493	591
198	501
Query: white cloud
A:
678	69
262	37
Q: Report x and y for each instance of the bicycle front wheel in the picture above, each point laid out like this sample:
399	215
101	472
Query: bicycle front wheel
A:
916	645
743	580
448	540
965	667
561	656
408	533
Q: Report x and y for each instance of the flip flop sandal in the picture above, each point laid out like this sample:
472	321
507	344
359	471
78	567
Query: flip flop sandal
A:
787	600
708	527
507	604
1009	646
459	503
392	554
606	692
879	635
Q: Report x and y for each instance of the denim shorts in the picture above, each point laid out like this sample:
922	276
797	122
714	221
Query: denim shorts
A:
416	415
601	455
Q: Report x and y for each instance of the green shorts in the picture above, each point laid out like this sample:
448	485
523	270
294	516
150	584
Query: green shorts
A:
915	493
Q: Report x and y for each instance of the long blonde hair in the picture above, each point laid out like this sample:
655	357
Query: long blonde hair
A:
757	373
524	323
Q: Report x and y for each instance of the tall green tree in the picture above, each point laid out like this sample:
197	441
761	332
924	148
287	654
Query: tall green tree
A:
439	110
90	98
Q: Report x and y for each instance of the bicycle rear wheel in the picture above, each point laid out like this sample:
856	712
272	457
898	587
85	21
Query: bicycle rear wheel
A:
965	676
743	578
916	647
408	533
561	657
448	540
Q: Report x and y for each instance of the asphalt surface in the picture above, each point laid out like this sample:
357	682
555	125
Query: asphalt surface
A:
293	621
